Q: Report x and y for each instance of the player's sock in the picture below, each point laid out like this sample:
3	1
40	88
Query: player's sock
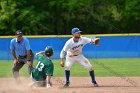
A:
92	76
67	73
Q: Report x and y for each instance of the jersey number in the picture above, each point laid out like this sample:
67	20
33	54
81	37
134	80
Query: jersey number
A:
40	66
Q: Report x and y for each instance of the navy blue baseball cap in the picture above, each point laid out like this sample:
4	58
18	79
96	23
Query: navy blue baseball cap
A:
75	30
18	33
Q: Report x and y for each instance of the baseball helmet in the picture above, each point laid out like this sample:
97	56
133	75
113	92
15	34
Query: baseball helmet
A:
49	51
75	30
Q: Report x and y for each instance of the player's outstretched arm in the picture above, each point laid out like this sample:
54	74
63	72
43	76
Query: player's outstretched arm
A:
41	52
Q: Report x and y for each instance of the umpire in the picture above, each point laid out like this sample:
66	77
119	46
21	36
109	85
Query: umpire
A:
22	53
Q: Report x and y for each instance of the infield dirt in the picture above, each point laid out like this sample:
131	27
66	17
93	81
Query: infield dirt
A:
78	85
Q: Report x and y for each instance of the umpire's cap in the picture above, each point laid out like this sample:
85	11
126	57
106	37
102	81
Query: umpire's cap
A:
75	30
48	51
18	33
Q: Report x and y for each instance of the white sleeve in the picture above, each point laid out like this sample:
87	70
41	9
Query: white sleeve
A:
36	54
87	40
64	50
66	46
62	54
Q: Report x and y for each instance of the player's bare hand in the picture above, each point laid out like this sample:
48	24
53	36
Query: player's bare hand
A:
15	61
62	64
29	63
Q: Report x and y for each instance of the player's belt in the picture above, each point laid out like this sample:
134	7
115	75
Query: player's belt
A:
75	55
22	57
72	55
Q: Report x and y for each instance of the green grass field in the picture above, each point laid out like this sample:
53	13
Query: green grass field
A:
103	67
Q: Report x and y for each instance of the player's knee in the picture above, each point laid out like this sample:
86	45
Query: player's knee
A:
15	69
67	67
90	68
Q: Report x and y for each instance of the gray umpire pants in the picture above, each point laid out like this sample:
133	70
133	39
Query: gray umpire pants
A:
21	61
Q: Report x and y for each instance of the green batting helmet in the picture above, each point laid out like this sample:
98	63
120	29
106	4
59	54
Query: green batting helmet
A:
48	51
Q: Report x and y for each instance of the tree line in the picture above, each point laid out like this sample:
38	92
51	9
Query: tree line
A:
45	17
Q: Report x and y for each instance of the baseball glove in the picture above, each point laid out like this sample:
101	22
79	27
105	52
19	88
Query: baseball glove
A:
97	41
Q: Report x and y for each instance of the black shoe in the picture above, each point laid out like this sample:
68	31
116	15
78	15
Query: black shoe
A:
67	84
95	84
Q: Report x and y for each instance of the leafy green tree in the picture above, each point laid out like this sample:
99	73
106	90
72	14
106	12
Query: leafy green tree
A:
131	16
40	17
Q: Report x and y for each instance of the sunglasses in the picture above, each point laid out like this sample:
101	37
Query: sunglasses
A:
19	36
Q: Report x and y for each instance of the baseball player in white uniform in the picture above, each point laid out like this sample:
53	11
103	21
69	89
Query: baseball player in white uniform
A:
73	49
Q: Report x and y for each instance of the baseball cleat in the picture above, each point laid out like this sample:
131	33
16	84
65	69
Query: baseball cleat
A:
96	85
49	86
67	84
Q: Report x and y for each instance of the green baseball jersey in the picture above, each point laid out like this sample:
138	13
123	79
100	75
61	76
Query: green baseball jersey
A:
43	68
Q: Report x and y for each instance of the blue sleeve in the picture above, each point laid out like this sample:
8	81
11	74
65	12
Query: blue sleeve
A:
12	44
27	44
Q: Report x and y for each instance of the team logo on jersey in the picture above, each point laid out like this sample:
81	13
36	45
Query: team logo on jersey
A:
75	47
